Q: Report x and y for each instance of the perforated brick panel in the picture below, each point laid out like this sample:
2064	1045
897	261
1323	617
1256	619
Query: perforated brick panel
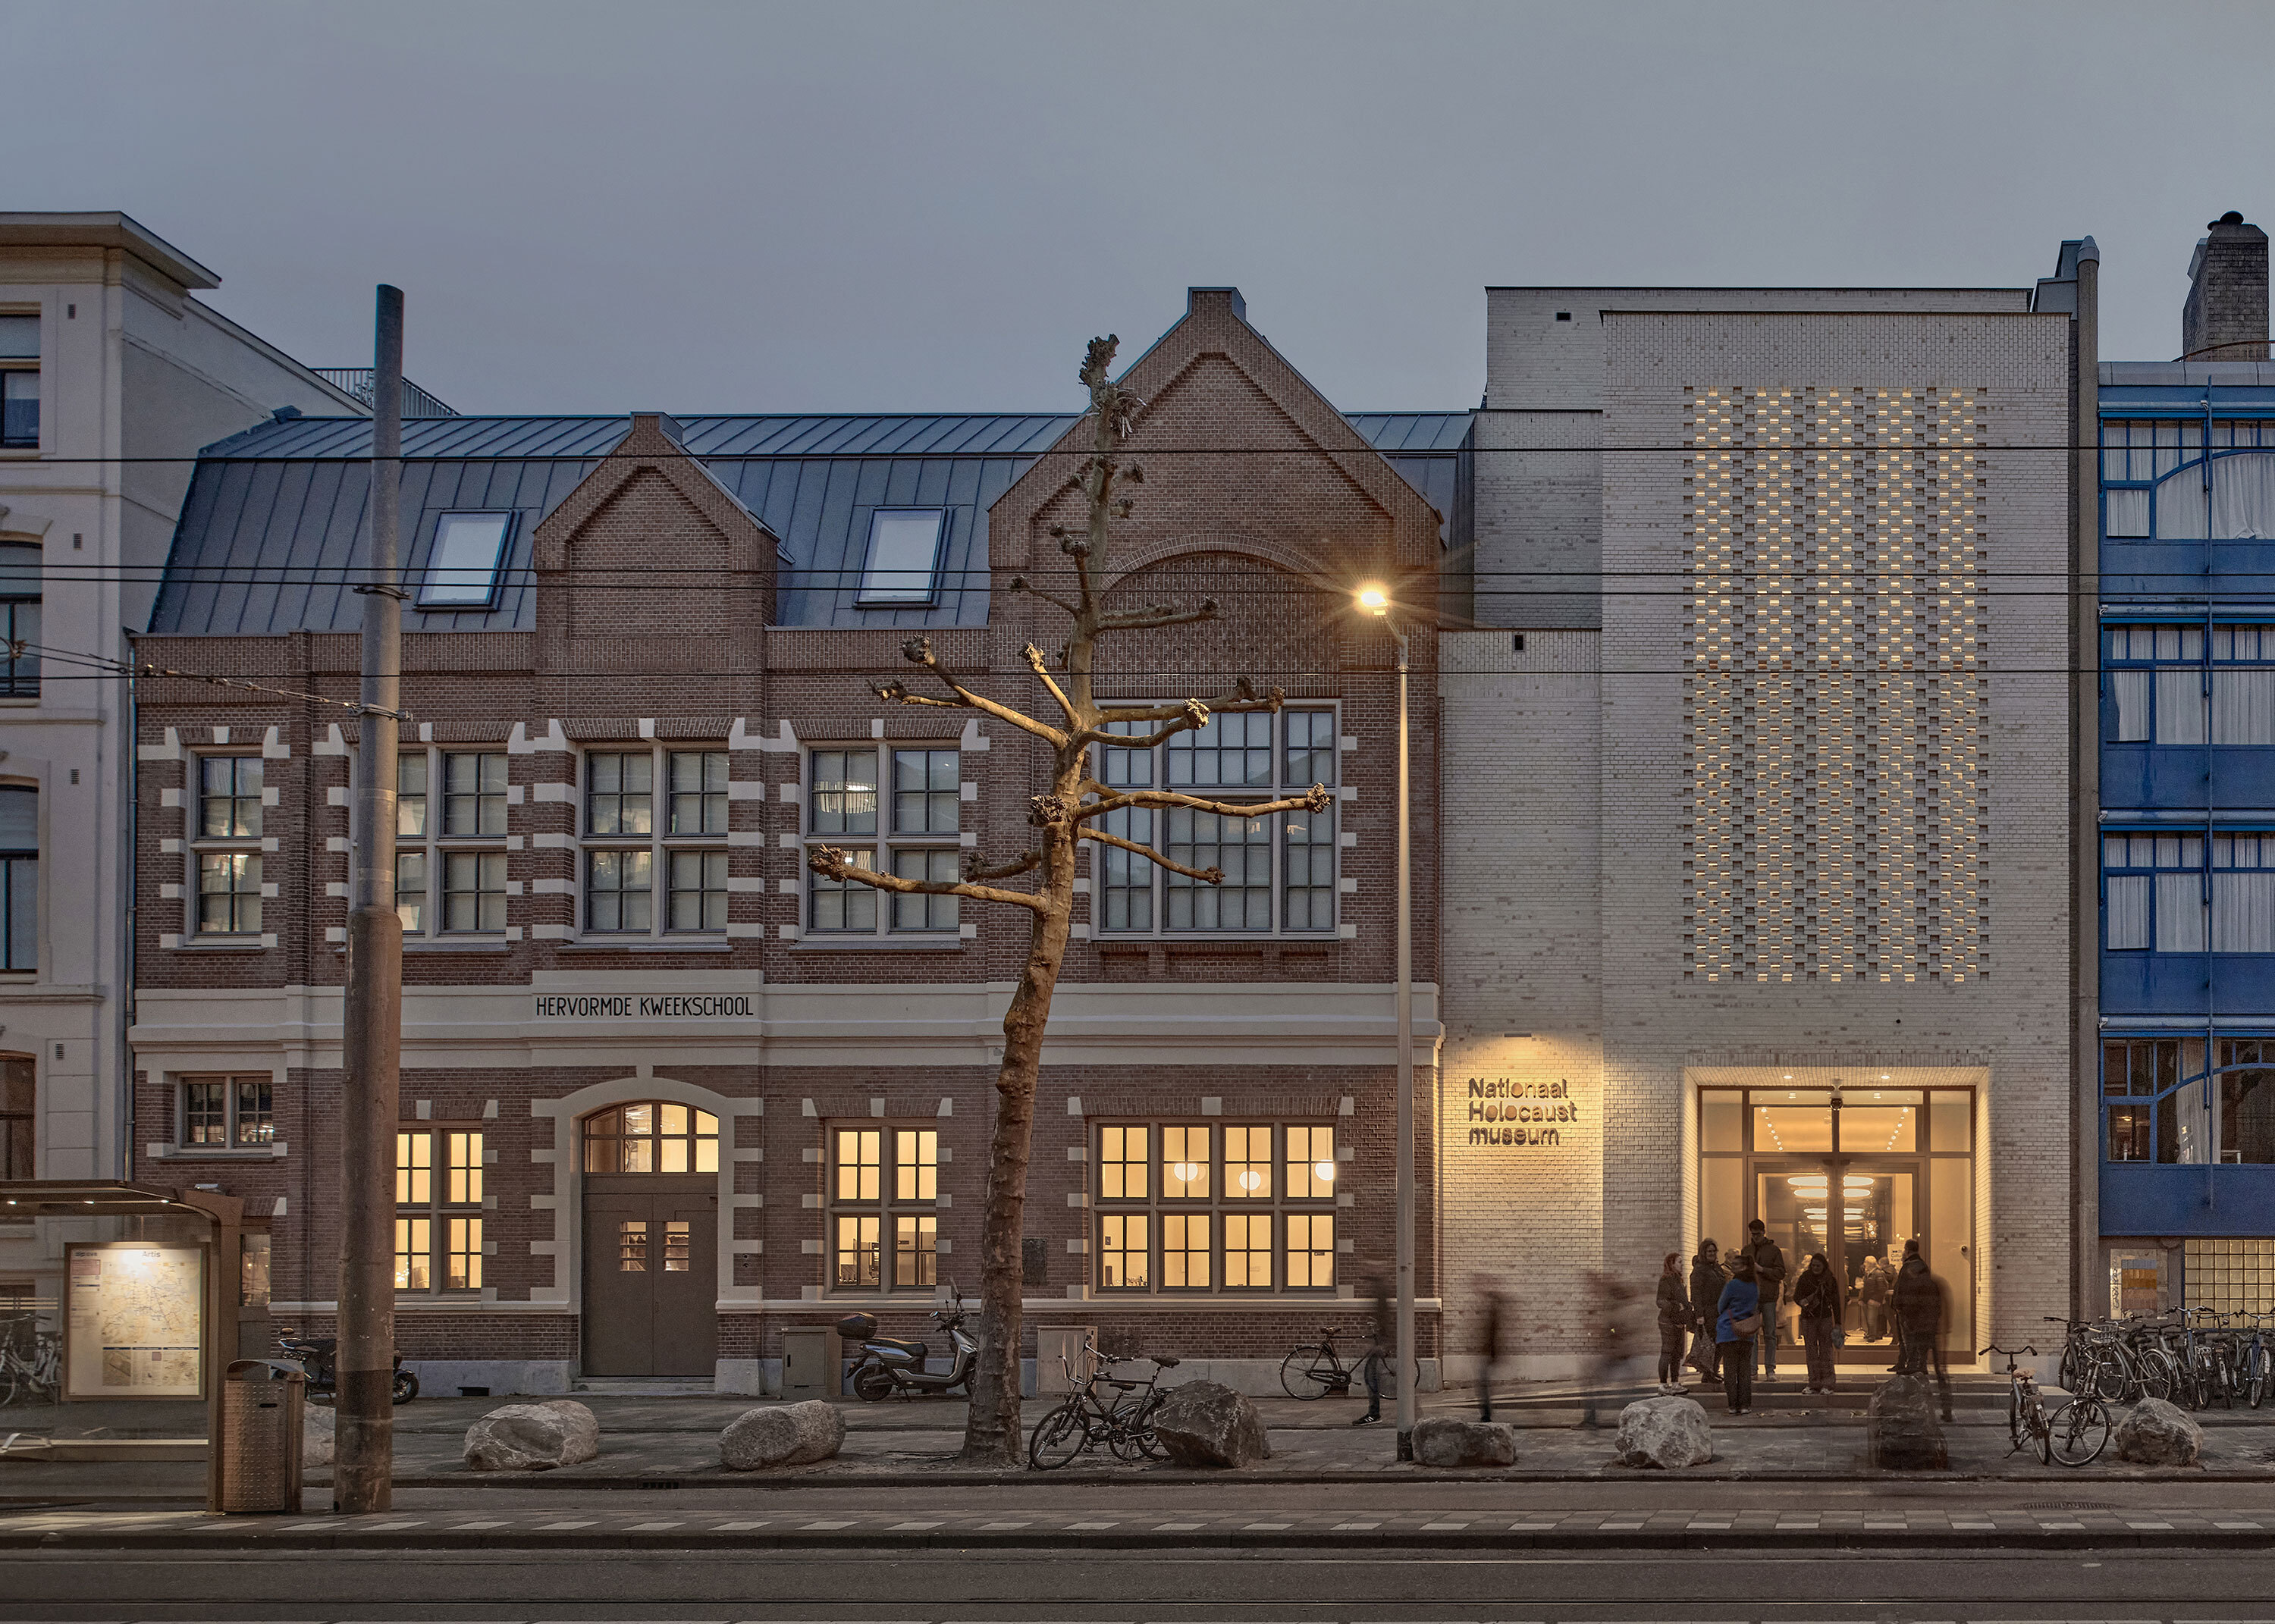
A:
1835	696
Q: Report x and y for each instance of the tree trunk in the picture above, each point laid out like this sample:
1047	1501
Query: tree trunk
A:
991	1428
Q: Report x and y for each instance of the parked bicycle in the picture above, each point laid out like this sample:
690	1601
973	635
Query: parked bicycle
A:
2074	1432
1315	1370
31	1361
1086	1418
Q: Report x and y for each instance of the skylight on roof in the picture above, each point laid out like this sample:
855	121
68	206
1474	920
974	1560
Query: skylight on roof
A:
463	564
904	561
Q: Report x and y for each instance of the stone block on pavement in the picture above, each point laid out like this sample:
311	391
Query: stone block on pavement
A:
2155	1433
781	1435
1667	1433
1900	1423
1449	1440
319	1436
1207	1424
532	1438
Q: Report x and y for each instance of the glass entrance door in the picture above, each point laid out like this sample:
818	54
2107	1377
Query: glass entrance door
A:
1850	1210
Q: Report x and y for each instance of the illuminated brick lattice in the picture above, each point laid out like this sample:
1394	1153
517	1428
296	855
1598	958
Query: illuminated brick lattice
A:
1835	695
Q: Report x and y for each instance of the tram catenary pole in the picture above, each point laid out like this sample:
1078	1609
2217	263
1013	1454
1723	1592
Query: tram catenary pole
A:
372	1028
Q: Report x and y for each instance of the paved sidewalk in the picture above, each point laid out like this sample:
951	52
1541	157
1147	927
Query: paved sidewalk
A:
2020	1527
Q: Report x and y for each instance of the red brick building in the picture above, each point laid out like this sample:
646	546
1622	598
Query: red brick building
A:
667	1093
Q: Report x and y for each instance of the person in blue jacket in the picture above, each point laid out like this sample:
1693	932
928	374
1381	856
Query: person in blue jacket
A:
1741	1301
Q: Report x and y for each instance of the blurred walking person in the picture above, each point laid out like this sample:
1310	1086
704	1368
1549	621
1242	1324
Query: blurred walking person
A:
1818	1294
1383	1340
1922	1315
1737	1321
1610	1332
1706	1282
1490	1333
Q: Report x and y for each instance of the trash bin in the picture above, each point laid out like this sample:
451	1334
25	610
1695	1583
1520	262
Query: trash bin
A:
259	1448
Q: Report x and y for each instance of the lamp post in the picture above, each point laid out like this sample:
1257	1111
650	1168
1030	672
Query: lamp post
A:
1376	601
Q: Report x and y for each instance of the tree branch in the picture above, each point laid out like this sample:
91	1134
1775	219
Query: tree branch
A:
1209	876
1242	697
1316	800
976	868
1035	663
918	651
833	863
1020	583
1159	614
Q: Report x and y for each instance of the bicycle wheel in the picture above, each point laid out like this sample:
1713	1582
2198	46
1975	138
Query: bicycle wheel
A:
2255	1383
2111	1381
1058	1438
1311	1372
2077	1433
2160	1377
2017	1434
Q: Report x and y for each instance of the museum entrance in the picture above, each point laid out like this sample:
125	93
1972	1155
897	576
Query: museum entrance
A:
1854	1173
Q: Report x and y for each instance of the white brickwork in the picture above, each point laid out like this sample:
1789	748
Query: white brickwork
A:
1910	812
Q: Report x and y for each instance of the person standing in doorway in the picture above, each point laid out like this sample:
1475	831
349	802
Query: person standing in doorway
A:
1818	1297
1737	1321
1874	1289
1490	1332
1673	1323
1706	1282
1768	1259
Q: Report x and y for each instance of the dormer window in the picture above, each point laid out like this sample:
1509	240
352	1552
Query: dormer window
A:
904	561
463	564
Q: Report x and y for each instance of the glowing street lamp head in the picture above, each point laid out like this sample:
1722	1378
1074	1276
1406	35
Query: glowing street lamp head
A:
1373	599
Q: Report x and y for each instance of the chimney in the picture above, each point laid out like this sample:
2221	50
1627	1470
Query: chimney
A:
2225	317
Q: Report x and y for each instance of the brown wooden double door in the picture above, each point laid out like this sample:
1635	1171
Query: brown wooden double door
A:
651	1275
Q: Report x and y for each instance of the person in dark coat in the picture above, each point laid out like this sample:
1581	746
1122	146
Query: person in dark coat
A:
1382	1347
1741	1301
1921	1316
1706	1282
1818	1297
1673	1323
1768	1258
1490	1333
1873	1287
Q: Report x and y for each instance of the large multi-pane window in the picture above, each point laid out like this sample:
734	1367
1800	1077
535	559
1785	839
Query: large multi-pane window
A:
228	1113
912	823
225	841
1215	1207
2153	890
2157	482
19	619
2163	691
438	1209
2161	1104
19	381
19	879
655	834
450	842
884	1208
1278	868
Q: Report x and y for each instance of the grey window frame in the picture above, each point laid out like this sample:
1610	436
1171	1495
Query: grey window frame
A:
888	1206
24	366
431	567
434	845
21	610
20	867
886	844
661	843
249	845
1115	874
233	1086
870	596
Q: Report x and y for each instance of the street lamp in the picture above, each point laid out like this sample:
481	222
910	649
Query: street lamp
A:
1375	599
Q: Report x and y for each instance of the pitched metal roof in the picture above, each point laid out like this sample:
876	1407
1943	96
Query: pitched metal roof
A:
275	515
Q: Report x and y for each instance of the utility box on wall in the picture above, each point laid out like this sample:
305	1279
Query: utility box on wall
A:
810	1362
1057	1347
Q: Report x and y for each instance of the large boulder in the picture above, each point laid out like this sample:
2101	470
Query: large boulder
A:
531	1437
1668	1432
1449	1440
1207	1424
781	1435
1900	1423
319	1435
2155	1433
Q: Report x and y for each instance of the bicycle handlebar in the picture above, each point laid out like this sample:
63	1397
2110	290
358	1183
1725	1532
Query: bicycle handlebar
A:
2009	1352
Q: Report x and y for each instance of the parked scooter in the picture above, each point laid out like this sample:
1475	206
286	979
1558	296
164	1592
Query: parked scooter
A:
313	1356
886	1365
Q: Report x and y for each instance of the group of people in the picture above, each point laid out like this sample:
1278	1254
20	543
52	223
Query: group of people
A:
1731	1304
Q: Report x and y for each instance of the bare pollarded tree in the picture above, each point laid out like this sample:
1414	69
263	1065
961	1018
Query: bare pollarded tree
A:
1067	816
